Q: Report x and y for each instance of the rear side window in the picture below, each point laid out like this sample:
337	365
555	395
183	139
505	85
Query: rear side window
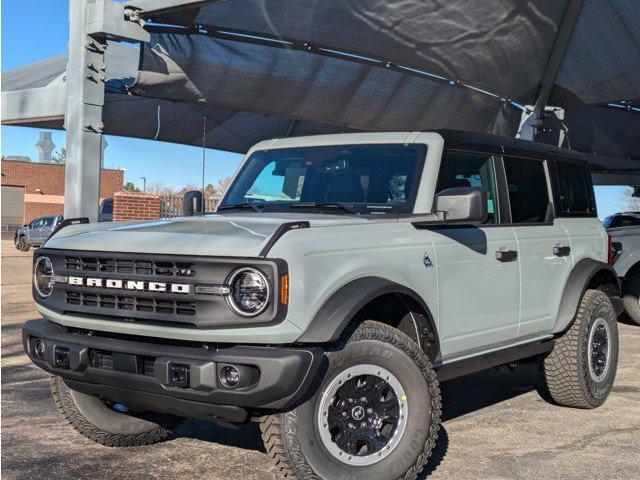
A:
48	221
576	191
528	191
462	169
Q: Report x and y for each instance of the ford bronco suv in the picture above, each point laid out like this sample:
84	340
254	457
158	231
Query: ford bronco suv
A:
340	280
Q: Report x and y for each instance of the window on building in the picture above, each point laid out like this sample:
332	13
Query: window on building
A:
528	190
576	192
463	169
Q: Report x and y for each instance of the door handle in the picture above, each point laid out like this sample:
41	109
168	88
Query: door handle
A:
561	250
504	255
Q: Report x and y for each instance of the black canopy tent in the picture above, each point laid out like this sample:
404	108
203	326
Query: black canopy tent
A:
248	70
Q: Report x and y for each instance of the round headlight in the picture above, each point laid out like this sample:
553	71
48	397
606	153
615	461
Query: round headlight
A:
42	276
250	292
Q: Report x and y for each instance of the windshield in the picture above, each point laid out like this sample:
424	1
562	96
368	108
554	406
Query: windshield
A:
361	179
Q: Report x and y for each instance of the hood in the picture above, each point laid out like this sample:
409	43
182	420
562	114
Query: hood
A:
241	235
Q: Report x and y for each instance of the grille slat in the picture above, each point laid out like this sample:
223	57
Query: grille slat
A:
138	267
131	302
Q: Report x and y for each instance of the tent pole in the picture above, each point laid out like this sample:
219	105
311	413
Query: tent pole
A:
563	37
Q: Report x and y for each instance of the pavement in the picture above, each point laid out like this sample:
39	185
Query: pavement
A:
495	424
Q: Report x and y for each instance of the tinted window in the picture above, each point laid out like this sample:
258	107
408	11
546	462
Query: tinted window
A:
616	221
37	223
107	207
576	192
48	221
369	178
528	192
460	169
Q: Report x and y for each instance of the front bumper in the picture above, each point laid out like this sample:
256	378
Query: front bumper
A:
141	372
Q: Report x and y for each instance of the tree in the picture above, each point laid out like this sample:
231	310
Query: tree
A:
59	156
130	187
631	203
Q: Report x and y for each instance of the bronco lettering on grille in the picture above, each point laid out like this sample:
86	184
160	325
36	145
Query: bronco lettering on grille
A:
130	285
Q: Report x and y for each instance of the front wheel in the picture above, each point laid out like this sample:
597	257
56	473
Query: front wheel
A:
109	424
21	244
376	413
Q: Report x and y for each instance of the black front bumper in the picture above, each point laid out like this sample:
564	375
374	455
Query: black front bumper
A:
138	372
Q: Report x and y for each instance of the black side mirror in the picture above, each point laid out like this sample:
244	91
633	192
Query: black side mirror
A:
192	203
462	204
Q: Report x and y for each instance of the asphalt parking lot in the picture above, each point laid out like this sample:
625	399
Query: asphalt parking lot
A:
495	424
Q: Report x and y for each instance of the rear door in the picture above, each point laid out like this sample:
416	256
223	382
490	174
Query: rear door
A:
478	293
47	228
544	249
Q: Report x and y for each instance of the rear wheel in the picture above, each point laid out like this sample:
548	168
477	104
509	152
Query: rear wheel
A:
631	298
580	370
112	425
376	413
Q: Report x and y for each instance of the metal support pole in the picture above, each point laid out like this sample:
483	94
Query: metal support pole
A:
91	23
83	120
563	37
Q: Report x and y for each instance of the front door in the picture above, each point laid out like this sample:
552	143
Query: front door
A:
478	271
34	233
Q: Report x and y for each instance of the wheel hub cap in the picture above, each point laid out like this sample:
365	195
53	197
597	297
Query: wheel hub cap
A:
362	415
598	349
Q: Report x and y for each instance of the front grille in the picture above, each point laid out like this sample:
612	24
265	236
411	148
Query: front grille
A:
131	303
131	266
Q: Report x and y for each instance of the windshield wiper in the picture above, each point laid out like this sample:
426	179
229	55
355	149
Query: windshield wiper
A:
240	206
336	205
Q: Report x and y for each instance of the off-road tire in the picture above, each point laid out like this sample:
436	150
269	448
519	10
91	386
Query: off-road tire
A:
92	418
565	372
22	244
292	440
631	298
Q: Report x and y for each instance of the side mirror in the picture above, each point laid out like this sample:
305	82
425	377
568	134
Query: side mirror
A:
192	203
462	204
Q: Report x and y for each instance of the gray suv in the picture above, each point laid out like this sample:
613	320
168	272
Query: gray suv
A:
36	232
342	278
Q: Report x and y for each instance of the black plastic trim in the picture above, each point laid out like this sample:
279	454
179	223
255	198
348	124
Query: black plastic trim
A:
285	373
475	364
279	233
343	305
69	221
579	278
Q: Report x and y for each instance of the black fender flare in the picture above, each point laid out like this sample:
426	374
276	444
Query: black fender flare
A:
578	281
342	306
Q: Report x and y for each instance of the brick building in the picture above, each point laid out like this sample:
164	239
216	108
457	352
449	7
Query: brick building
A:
34	190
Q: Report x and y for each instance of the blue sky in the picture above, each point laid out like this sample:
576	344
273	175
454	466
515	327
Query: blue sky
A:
165	163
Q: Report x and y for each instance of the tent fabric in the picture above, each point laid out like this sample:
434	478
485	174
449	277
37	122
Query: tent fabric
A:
497	45
295	84
602	61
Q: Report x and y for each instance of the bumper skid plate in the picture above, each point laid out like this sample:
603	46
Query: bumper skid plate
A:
187	379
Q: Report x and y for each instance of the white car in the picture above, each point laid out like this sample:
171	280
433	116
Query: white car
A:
624	256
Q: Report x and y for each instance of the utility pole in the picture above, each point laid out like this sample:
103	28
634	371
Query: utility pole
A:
144	184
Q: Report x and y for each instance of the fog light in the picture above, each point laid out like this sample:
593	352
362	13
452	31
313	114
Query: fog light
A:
179	375
39	348
229	376
61	357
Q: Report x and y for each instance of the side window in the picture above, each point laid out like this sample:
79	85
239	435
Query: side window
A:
463	169
528	191
37	224
48	221
576	192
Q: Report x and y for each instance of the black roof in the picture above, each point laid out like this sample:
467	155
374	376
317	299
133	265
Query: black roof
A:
462	140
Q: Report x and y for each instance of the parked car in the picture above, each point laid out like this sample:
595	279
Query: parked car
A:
36	232
341	279
105	213
624	231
